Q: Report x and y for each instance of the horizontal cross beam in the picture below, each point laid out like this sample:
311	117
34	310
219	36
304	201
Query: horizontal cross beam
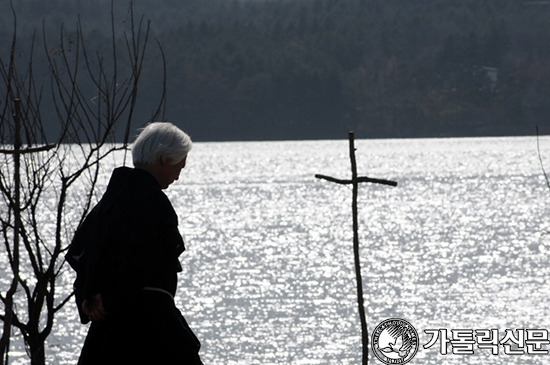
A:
28	150
360	179
17	150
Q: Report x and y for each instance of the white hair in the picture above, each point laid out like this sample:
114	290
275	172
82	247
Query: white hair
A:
158	141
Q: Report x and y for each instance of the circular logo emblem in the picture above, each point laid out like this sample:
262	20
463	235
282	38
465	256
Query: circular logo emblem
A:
395	341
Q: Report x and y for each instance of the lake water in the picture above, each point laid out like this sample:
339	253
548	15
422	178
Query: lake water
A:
269	273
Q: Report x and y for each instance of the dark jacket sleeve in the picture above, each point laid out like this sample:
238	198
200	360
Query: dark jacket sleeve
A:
84	256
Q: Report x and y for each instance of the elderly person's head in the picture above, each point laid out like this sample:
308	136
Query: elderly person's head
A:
161	149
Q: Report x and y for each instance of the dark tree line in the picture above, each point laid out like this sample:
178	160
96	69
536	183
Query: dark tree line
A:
289	69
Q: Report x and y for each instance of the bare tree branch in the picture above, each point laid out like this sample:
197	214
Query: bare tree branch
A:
92	98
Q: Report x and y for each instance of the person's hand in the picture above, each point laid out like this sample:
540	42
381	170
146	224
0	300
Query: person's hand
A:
93	308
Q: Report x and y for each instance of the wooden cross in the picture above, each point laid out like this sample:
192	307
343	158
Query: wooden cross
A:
17	152
355	180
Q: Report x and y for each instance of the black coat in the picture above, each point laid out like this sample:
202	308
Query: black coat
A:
129	241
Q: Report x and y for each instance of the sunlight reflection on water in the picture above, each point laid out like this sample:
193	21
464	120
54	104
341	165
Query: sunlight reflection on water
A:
269	277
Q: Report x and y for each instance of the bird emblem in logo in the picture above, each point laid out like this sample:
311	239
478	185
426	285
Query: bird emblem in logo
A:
395	341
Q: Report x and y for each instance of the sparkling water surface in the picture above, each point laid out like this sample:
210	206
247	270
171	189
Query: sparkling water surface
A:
269	272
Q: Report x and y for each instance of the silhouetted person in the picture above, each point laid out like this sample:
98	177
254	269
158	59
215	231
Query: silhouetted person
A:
126	257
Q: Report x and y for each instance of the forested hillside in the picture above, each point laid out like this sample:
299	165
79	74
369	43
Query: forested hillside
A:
308	69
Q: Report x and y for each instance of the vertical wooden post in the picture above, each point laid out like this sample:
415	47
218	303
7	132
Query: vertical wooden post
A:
359	279
8	302
17	183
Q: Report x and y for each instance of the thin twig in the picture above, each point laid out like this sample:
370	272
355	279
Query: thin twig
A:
540	160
